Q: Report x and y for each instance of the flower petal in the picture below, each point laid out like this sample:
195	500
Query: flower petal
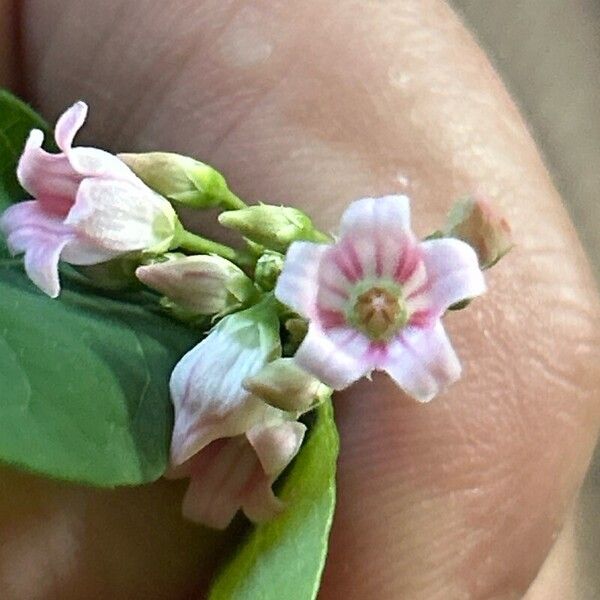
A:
42	237
47	177
369	213
121	216
422	361
93	162
337	356
206	385
297	284
68	124
453	273
80	251
218	476
377	232
276	446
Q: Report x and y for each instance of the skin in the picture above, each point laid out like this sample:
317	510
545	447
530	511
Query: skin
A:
315	104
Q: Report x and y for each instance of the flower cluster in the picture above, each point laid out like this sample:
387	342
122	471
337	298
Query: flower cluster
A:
281	323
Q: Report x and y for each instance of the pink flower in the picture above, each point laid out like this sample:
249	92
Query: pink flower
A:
374	299
206	385
89	207
227	439
238	472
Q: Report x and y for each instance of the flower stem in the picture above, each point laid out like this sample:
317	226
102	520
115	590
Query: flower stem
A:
230	201
200	245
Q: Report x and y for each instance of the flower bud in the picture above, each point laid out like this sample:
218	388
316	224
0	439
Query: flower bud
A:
284	385
182	179
274	227
475	221
296	329
201	285
268	268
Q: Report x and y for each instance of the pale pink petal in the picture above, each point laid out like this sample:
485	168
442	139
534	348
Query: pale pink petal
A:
81	251
41	263
93	162
297	284
42	237
68	124
218	477
258	500
366	214
121	216
275	445
453	273
47	177
337	356
422	361
377	231
206	385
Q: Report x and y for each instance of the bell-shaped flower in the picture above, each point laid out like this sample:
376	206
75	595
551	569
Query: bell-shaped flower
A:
375	299
238	472
89	207
207	384
202	285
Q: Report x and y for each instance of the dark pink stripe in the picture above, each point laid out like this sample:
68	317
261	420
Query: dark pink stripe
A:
355	263
408	261
421	318
334	289
377	352
378	255
331	318
346	270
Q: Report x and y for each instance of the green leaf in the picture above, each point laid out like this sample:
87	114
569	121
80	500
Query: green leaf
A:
17	119
84	378
4	203
84	383
284	558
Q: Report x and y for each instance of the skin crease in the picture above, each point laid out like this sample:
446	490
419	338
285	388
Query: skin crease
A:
316	103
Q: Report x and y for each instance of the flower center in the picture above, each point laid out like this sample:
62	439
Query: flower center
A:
379	312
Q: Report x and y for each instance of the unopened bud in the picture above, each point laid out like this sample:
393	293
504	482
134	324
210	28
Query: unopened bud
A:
296	328
268	268
182	179
284	385
475	221
202	285
274	227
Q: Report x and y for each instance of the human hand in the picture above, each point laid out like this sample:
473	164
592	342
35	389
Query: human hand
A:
317	103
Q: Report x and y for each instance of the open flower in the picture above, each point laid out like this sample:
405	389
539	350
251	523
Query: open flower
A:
227	440
238	472
89	207
375	298
207	384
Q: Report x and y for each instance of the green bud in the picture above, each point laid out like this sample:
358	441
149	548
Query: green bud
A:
267	270
182	179
274	227
296	329
199	285
284	385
